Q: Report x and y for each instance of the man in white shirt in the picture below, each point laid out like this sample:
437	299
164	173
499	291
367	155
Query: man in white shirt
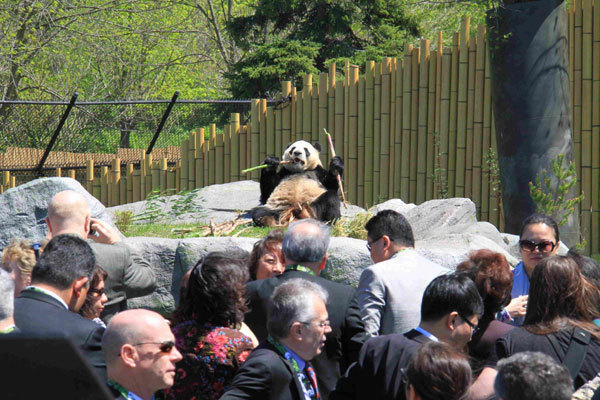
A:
390	291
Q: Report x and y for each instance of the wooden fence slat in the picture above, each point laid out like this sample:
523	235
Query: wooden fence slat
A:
255	141
406	115
422	122
586	119
453	119
236	148
595	194
384	143
351	184
470	114
461	114
431	118
398	128
377	133
306	108
369	121
414	124
478	118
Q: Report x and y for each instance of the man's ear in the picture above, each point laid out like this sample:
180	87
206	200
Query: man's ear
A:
386	242
88	221
128	355
79	284
296	331
451	320
49	226
323	262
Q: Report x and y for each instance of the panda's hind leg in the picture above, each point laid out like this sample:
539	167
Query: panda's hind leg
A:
327	206
264	216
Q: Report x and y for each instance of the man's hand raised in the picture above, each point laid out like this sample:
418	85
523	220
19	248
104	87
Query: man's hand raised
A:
103	232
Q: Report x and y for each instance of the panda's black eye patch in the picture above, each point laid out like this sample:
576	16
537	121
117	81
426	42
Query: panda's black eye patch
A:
307	152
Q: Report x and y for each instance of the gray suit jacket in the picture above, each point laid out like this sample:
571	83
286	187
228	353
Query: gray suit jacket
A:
129	275
390	292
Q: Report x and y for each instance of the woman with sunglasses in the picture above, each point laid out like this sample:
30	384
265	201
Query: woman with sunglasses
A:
94	302
539	239
207	328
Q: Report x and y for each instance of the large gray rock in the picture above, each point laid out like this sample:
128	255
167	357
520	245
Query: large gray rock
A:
438	214
24	208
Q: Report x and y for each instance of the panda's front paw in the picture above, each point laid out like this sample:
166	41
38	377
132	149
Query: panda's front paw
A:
272	162
336	166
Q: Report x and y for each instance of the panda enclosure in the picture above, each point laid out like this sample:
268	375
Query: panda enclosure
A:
416	127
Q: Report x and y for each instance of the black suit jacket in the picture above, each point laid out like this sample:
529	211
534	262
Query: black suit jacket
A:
347	330
265	374
40	314
376	374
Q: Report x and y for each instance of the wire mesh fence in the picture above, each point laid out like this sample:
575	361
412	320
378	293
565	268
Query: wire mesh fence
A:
100	131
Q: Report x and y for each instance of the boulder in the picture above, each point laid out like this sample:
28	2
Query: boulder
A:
24	208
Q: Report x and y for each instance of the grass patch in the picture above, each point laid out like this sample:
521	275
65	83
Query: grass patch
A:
596	257
157	230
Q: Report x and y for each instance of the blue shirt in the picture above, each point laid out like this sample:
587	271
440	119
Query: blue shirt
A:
301	376
520	288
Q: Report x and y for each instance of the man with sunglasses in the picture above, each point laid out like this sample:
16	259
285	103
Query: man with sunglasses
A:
390	291
140	354
450	313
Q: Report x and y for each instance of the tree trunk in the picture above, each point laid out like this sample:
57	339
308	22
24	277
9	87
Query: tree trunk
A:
529	57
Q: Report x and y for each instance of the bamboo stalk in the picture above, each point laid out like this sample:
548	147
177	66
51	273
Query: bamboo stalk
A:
322	111
332	152
377	131
352	171
414	124
306	108
478	119
406	115
369	199
470	112
286	116
219	160
421	159
431	117
227	173
595	194
236	148
360	194
586	120
453	112
183	184
384	141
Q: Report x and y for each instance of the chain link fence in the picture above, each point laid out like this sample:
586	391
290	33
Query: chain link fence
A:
100	131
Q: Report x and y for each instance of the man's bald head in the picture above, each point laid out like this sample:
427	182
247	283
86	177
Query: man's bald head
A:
68	212
130	327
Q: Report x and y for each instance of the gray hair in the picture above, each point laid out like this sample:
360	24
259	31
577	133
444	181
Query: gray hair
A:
292	301
115	336
532	376
306	240
7	295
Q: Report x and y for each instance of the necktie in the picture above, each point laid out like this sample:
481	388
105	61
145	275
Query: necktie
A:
312	377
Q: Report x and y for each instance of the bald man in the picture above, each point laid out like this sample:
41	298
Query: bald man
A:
129	275
140	354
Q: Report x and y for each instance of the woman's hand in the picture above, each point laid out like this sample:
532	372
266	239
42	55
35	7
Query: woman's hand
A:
517	307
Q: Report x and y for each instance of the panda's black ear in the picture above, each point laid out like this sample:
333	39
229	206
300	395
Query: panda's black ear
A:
287	146
317	146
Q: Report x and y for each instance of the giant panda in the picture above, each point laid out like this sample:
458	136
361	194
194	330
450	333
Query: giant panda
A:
301	188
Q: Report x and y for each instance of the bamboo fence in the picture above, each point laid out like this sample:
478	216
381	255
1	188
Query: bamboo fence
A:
416	127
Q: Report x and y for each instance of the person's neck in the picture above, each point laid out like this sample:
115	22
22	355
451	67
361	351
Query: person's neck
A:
395	249
5	323
70	231
65	294
313	266
436	328
287	342
132	384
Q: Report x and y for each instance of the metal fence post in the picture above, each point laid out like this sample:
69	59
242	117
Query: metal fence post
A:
64	117
162	122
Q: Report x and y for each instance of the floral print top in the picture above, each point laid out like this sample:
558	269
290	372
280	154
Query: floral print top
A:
211	357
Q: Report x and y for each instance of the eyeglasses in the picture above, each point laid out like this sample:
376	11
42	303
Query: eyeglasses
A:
96	292
164	347
468	322
321	325
544	246
370	244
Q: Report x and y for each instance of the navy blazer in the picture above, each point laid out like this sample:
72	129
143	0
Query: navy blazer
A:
265	374
41	314
347	329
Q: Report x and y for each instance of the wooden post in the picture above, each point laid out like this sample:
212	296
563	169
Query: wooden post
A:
129	177
212	154
162	172
137	185
206	162
185	154
191	163
270	139
263	130
89	173
236	148
148	175
227	154
219	160
116	181
58	172
104	185
199	156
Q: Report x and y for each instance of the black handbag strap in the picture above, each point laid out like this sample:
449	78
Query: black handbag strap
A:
573	359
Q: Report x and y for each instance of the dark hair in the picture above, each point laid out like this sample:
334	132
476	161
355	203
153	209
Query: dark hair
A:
492	275
87	309
560	297
447	293
264	245
215	292
540	219
65	258
588	267
392	224
437	372
532	376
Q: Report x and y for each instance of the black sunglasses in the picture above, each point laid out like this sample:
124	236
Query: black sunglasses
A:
369	244
545	246
164	347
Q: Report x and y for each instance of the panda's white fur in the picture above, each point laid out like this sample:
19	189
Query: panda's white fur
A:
301	156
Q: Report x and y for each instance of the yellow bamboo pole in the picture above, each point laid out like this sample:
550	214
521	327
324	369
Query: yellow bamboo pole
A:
438	111
156	177
406	115
300	116
236	148
137	185
171	176
314	130
89	174
377	134
385	121
461	116
431	109
307	88
470	111
322	112
129	174
104	185
577	90
571	17
206	163
191	166
279	145
392	130
352	172
595	194
338	134
70	174
162	173
294	96
345	149
243	159
263	129
495	205
330	104
369	199
414	124
255	141
360	177
227	154
219	160
212	155
478	119
286	116
444	132
421	158
270	139
398	128
183	184
586	120
177	176
452	135
58	172
199	159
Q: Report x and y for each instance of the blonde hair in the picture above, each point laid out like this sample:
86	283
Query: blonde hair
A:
21	252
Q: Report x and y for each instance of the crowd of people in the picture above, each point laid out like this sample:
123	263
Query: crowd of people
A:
266	325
